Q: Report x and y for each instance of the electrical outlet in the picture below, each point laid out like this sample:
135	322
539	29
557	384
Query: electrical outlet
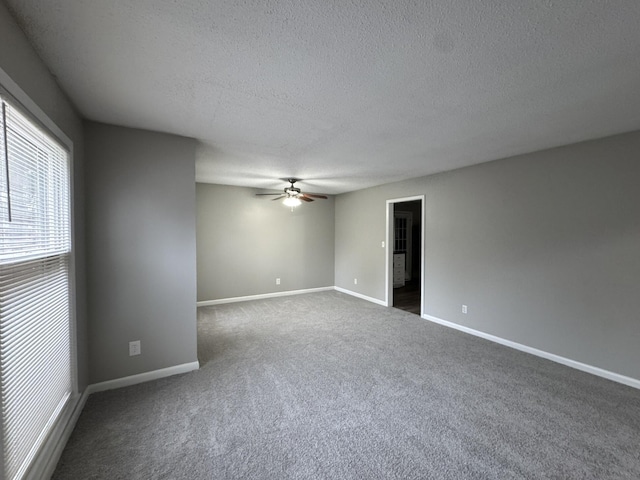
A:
464	309
277	281
134	348
382	245
355	281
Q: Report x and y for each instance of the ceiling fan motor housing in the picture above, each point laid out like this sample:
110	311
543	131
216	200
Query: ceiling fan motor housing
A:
292	191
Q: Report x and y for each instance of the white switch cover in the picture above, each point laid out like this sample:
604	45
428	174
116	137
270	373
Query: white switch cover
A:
355	281
277	281
134	348
464	309
382	245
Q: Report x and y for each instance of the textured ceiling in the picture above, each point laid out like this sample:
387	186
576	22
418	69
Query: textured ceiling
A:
346	94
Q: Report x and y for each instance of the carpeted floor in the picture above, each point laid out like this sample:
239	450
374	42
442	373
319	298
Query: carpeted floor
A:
326	386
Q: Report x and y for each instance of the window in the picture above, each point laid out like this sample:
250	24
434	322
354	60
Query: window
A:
36	345
401	234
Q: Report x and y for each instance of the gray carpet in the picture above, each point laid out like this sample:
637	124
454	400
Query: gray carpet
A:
326	386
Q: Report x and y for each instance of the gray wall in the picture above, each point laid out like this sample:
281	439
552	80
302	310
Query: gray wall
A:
543	248
141	243
22	65
360	228
246	242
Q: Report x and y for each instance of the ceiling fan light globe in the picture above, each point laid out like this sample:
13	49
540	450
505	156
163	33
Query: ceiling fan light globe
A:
291	201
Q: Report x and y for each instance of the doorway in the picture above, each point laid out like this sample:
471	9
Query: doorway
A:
405	253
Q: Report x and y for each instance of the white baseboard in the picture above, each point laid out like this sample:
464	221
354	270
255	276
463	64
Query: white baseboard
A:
44	464
616	377
207	303
142	377
359	295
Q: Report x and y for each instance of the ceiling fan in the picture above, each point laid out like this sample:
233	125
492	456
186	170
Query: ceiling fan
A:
292	195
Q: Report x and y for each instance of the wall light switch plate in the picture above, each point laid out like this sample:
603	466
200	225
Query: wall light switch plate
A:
382	245
464	309
277	281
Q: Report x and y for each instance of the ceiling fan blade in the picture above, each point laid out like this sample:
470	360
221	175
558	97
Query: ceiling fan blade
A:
293	192
316	196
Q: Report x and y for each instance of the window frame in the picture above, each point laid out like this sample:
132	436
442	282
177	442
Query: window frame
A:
45	459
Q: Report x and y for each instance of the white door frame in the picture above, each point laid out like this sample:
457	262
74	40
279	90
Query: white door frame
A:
389	250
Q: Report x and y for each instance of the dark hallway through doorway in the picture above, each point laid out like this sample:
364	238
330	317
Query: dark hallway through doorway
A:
407	254
407	298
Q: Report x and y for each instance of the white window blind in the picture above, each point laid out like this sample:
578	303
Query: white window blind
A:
35	315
